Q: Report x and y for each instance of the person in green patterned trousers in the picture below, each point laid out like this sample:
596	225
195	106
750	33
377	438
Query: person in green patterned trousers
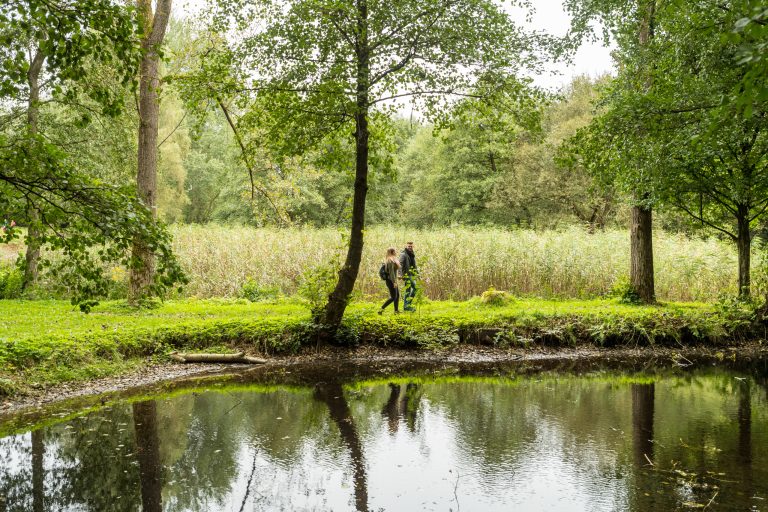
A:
409	273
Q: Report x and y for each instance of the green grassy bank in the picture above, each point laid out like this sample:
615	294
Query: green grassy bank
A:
46	342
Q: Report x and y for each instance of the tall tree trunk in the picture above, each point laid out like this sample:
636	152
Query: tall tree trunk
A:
38	471
641	232
148	453
641	254
32	240
143	258
332	394
339	298
744	244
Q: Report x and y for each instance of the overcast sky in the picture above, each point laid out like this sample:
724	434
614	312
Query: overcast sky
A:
592	59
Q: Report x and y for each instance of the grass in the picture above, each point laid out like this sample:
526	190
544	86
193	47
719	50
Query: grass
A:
456	263
43	343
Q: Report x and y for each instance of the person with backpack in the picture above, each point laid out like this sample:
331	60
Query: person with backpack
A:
388	272
408	272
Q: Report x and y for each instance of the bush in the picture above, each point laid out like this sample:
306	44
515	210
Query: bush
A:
625	292
317	283
11	281
255	292
494	297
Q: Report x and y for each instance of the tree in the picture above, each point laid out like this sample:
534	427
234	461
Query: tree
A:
633	26
328	67
153	26
51	45
705	157
62	45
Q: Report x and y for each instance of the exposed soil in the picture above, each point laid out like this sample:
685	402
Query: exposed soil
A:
343	363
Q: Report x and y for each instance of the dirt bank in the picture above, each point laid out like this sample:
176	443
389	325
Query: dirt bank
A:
371	361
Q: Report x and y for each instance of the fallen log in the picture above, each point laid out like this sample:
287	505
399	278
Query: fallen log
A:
239	357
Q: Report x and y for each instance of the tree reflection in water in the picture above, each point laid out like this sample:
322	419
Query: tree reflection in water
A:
332	394
148	451
642	423
38	472
684	441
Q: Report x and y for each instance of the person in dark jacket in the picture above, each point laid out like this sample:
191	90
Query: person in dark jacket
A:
392	267
409	272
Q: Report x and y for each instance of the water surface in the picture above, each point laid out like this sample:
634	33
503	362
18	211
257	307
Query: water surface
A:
601	441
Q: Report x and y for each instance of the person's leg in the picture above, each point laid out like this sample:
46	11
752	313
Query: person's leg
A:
409	294
391	299
397	300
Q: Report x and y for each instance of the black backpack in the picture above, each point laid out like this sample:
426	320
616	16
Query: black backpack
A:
383	274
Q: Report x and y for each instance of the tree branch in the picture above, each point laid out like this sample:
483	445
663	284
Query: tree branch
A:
679	204
246	160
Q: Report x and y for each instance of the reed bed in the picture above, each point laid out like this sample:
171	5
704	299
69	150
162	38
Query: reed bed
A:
458	263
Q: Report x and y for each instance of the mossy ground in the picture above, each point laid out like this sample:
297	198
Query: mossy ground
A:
46	342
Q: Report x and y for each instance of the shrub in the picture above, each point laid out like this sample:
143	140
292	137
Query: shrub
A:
624	291
494	297
255	292
317	283
11	280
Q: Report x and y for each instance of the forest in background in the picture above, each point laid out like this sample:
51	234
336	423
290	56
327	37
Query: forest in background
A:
254	130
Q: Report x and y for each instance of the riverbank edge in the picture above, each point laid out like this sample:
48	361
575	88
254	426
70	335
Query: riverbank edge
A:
37	363
351	365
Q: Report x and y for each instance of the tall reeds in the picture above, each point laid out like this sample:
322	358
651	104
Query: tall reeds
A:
457	263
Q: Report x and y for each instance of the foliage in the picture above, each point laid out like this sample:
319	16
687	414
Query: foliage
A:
495	298
625	292
316	284
11	279
88	221
255	292
73	36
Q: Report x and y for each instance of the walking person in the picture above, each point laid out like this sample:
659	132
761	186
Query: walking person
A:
409	273
391	268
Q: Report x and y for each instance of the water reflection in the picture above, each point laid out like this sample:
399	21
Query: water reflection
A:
148	452
332	395
401	406
551	442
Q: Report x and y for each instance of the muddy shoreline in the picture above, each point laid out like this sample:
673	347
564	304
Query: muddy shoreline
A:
370	361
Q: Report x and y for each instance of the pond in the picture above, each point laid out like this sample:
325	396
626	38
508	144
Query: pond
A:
448	439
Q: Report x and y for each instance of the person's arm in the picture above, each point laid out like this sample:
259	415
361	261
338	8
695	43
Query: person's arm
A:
400	270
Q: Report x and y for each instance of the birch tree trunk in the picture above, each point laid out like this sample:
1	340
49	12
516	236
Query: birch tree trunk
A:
32	240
